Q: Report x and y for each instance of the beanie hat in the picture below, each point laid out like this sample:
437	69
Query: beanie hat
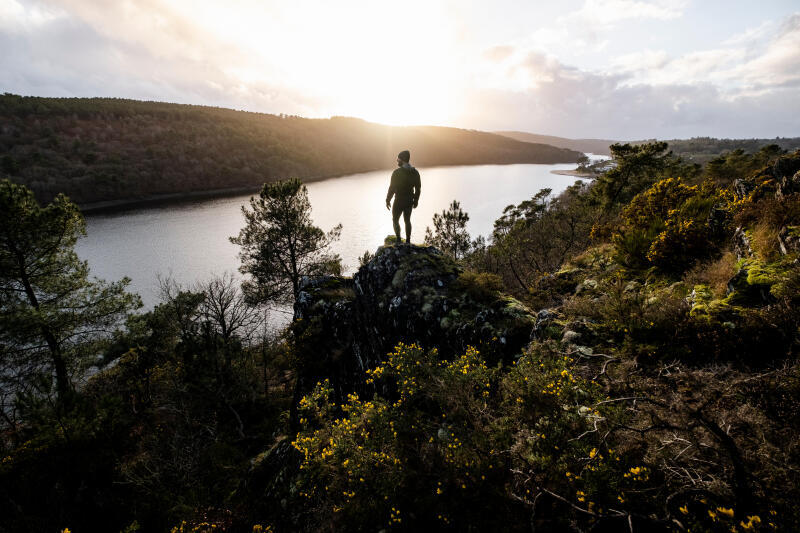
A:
405	155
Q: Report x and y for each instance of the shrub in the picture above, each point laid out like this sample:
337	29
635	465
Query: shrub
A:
678	246
667	226
483	287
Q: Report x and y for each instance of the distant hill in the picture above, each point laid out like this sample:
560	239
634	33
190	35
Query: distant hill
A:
698	149
102	149
593	146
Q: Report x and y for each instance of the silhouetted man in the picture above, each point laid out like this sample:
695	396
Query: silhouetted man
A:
405	187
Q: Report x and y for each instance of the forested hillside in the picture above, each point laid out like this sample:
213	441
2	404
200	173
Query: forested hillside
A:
100	149
594	146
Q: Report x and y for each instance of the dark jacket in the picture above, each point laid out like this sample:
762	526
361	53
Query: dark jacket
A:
405	186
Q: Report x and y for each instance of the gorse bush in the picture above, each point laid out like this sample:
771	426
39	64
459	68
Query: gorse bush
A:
678	245
441	441
667	226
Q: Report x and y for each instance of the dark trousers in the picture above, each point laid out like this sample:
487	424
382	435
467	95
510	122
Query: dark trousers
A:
405	209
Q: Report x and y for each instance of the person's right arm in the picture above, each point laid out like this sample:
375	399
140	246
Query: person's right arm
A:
392	189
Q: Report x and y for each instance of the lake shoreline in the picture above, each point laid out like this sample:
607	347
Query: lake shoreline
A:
576	173
99	208
108	206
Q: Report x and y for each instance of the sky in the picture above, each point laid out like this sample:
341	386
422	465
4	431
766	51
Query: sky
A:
612	69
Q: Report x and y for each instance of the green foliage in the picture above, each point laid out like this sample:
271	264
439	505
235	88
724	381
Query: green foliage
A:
537	236
280	244
450	232
636	168
482	287
738	164
53	318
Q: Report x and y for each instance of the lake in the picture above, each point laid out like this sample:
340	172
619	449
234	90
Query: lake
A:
189	240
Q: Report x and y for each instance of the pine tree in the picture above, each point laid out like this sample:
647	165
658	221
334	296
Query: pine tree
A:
281	245
53	318
450	232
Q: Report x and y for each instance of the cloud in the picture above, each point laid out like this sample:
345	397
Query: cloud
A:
498	54
756	60
67	48
609	12
563	100
640	62
591	28
778	65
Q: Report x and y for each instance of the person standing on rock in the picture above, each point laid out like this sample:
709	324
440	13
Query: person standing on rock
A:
405	187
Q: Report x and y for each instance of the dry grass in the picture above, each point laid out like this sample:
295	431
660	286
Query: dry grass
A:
764	241
715	274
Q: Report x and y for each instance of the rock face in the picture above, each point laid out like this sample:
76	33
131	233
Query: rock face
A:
403	294
741	244
789	239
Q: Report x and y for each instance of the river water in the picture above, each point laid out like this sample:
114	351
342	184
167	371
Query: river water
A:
189	240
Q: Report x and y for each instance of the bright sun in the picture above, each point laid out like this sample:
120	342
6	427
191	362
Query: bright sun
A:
380	61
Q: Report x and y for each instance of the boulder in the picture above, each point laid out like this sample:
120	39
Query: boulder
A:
788	185
404	293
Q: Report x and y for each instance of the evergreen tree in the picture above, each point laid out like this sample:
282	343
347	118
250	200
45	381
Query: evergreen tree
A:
53	318
450	232
636	167
280	244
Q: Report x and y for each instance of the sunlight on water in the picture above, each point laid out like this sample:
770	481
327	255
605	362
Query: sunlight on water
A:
190	240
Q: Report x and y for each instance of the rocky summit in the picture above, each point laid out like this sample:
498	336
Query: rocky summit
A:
404	293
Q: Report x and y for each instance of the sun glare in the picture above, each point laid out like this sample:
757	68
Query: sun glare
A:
374	60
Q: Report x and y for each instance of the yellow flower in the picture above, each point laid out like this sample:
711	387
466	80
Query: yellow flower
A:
684	509
727	512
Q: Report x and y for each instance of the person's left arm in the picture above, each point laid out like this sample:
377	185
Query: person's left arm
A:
417	187
392	190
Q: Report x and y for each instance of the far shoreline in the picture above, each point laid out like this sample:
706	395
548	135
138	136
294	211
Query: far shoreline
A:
98	208
109	206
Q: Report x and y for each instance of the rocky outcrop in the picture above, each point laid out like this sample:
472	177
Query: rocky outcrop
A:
410	294
781	179
789	240
741	244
